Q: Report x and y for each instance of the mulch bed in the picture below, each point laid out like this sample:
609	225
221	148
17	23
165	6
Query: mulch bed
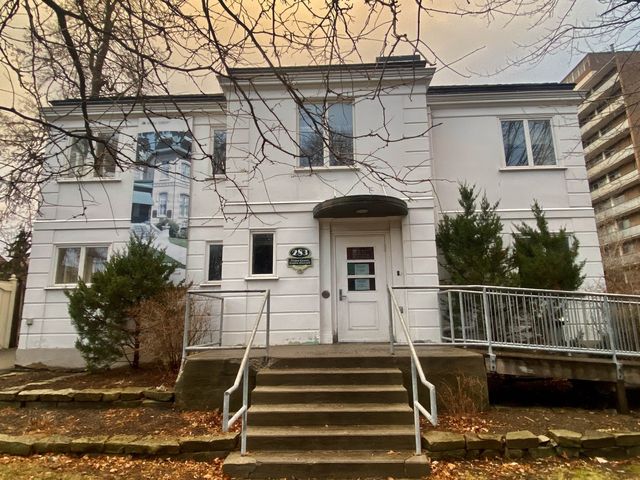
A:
78	422
64	467
536	419
117	377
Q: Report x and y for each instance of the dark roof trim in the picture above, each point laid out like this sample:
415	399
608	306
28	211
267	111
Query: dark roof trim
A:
499	88
217	97
361	206
388	63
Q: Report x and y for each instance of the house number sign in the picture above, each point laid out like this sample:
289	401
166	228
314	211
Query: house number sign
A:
299	259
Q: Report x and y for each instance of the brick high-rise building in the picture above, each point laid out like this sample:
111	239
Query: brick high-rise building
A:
610	127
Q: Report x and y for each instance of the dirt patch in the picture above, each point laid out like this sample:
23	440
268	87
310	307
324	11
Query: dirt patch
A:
65	467
78	422
538	420
18	378
117	377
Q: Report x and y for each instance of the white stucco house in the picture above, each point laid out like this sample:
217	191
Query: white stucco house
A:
261	182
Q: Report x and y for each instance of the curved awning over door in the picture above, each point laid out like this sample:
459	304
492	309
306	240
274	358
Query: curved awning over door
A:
361	206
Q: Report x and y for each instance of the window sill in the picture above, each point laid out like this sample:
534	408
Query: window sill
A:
88	180
217	177
69	286
213	283
536	168
325	168
261	277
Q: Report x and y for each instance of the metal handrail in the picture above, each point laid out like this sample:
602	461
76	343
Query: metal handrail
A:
416	367
243	375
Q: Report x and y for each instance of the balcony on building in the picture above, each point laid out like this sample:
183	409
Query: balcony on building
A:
610	162
612	187
610	137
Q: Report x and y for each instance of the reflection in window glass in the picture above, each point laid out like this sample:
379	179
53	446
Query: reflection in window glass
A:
361	268
361	284
215	262
341	134
311	142
515	149
541	142
219	160
359	253
68	265
262	254
94	260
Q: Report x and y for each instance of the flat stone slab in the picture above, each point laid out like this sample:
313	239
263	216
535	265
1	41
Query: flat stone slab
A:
627	439
65	395
118	443
566	438
88	444
443	441
132	393
158	395
154	446
9	395
522	439
595	439
52	444
88	395
205	443
483	441
30	395
542	452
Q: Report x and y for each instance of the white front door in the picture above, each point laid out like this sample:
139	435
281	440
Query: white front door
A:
361	281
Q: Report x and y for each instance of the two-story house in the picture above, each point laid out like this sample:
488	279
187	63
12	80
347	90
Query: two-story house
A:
351	168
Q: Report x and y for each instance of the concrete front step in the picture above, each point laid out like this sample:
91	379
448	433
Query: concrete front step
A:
326	464
331	437
329	394
331	414
329	376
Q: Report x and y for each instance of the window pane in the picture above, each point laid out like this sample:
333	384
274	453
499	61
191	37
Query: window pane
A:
184	205
541	142
105	161
163	199
360	253
215	262
78	153
311	143
341	134
67	267
219	160
262	254
515	150
361	284
361	268
94	260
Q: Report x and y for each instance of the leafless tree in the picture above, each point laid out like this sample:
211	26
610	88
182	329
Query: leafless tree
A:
89	49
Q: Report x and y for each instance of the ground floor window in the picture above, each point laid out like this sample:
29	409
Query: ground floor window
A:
214	272
262	253
79	262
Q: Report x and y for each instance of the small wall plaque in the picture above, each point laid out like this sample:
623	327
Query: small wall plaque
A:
299	259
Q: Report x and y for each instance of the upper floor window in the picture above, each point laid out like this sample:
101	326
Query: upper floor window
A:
325	134
163	200
214	272
528	143
184	205
95	158
73	263
219	158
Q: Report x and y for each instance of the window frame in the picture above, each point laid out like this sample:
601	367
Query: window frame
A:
207	259
326	152
528	145
81	261
85	170
274	265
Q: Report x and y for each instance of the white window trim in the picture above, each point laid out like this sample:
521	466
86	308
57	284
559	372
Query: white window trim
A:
206	281
267	276
89	178
326	154
527	139
83	249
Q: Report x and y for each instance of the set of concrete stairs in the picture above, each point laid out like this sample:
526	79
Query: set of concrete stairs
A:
317	418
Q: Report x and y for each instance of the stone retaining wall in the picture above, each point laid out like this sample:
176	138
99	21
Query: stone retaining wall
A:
107	397
197	448
566	443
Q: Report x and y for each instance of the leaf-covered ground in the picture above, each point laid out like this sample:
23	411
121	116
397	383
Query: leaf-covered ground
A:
63	467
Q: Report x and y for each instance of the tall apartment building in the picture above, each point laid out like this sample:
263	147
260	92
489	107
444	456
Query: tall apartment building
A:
609	120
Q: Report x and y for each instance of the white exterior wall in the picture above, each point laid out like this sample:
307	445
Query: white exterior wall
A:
562	190
464	144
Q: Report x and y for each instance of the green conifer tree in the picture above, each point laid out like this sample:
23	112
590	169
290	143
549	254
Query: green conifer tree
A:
100	311
471	242
544	259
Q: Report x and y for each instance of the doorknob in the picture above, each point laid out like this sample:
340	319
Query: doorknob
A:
340	295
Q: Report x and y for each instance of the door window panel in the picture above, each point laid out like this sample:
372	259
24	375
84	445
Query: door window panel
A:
360	275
